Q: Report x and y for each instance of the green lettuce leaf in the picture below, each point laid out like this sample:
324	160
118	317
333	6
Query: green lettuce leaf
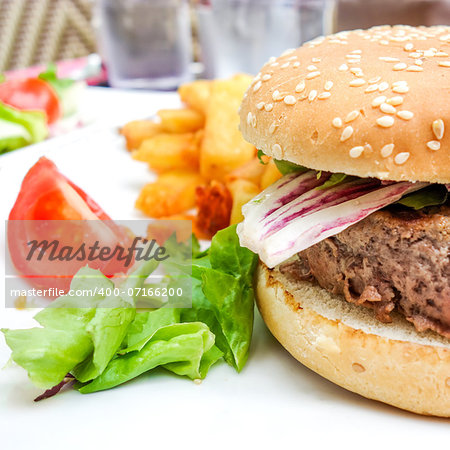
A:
34	122
286	167
48	354
67	90
260	155
334	180
180	347
65	312
203	311
109	326
227	303
8	144
146	324
434	195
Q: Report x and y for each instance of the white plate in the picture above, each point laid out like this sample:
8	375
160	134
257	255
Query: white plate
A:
275	400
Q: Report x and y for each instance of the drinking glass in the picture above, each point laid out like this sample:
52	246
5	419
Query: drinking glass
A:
241	35
145	43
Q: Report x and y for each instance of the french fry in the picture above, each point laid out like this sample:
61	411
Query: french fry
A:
172	193
270	175
252	171
137	131
170	151
223	148
242	192
214	204
196	95
180	120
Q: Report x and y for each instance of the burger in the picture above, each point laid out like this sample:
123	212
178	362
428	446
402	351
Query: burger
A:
354	238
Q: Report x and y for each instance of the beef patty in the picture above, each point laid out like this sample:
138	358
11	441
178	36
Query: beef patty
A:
393	259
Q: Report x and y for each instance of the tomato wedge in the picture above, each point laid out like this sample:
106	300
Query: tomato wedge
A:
49	206
31	94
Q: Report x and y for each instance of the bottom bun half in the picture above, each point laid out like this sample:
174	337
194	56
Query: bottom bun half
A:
344	343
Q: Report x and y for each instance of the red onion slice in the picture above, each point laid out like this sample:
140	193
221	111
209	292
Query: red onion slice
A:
278	225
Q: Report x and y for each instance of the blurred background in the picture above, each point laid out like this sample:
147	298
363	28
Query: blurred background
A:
158	44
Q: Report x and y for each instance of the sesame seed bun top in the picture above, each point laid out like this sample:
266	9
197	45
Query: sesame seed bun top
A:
370	103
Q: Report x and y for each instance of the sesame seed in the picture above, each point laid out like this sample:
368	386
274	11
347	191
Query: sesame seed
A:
324	95
337	122
346	133
441	54
276	96
374	80
405	115
415	55
249	118
395	101
388	59
290	100
356	70
371	88
418	62
414	69
388	109
315	60
400	66
300	87
272	59
296	64
401	89
254	121
399	83
434	145
311	68
266	77
377	101
444	63
312	95
355	57
383	86
273	127
312	75
387	150
277	151
275	64
257	86
268	107
429	53
343	67
385	121
401	158
328	85
356	152
260	105
408	47
358	82
438	128
384	42
351	116
285	65
358	52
